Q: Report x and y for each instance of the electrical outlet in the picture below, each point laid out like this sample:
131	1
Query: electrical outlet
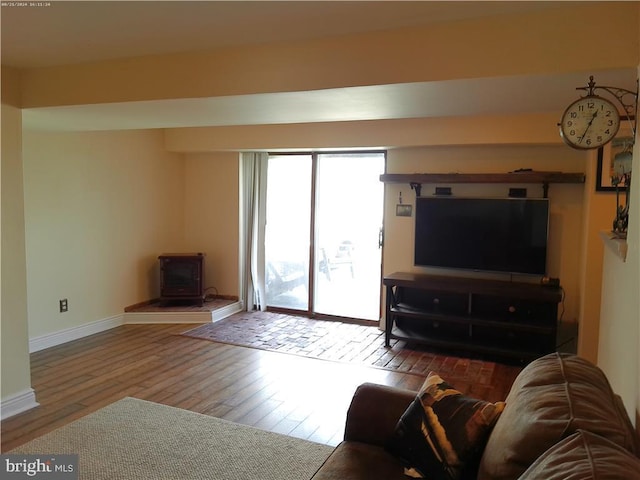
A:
64	305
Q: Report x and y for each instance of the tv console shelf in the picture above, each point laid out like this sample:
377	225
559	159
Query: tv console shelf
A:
500	318
415	180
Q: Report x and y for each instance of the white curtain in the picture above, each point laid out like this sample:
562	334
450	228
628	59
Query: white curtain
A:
253	187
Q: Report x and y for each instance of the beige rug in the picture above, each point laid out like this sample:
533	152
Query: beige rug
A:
135	439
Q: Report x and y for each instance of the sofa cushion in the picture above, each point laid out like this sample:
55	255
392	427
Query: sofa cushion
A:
360	461
552	398
442	433
584	456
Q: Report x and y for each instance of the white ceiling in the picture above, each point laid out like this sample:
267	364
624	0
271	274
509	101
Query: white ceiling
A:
75	32
69	32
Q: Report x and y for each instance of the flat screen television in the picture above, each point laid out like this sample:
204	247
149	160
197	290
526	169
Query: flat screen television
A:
487	234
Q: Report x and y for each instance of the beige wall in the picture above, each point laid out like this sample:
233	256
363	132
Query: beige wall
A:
529	129
16	376
619	340
499	147
598	213
211	217
99	208
566	203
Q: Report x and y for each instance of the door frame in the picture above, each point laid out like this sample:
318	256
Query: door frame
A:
310	312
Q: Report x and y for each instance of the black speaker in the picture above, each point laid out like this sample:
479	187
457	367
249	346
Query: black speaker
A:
518	192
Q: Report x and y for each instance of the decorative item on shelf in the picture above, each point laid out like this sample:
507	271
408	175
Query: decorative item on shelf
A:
605	172
613	174
443	191
593	121
622	176
518	192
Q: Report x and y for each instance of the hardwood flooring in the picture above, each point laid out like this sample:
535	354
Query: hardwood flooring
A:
303	397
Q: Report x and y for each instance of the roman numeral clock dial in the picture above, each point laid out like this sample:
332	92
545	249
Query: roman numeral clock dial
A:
589	122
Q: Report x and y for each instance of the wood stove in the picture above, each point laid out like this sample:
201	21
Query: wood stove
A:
182	277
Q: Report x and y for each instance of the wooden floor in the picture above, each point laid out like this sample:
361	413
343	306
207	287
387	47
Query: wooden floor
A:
288	394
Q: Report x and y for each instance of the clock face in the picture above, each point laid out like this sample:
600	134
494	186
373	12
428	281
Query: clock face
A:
589	122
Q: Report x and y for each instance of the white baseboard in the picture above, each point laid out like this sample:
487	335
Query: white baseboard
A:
74	333
21	402
63	336
182	317
226	311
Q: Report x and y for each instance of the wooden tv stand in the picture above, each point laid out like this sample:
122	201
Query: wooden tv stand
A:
500	318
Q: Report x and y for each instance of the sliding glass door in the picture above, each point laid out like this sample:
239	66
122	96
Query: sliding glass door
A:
287	231
324	220
349	205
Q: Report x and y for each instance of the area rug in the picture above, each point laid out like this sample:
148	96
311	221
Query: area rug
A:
350	343
135	439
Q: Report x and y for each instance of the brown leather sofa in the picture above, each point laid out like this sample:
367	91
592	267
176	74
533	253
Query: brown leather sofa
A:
561	421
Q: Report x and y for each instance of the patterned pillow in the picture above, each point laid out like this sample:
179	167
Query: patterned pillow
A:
442	433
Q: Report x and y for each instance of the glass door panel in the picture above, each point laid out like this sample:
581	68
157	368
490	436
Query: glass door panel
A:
349	206
288	231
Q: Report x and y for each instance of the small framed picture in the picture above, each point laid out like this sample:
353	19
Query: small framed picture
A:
622	142
404	210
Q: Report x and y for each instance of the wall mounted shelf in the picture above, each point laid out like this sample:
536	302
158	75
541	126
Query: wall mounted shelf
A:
415	180
617	245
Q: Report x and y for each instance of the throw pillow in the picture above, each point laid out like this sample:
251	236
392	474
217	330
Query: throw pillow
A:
442	433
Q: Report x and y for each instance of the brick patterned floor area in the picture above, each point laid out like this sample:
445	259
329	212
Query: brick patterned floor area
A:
353	343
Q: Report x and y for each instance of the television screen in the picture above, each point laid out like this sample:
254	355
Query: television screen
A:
488	234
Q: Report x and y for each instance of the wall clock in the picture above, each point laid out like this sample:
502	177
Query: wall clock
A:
589	122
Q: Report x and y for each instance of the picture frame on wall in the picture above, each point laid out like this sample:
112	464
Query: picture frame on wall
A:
404	210
607	154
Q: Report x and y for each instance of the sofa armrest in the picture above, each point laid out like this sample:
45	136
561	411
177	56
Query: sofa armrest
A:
619	404
374	413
